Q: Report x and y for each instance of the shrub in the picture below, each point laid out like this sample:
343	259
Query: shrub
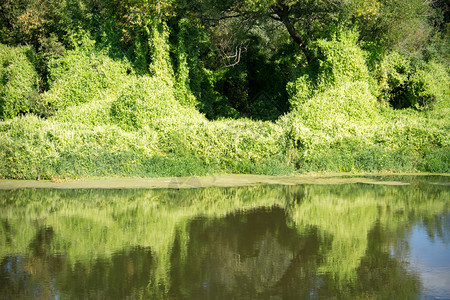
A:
25	149
433	88
110	123
229	144
343	94
339	107
19	82
150	102
337	125
81	76
95	112
407	83
32	147
436	160
300	91
341	59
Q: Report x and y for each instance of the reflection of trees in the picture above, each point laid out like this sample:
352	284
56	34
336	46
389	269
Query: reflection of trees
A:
242	255
90	226
438	227
298	241
383	275
126	273
346	214
23	276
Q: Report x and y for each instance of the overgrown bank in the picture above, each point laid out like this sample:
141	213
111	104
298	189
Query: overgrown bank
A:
100	116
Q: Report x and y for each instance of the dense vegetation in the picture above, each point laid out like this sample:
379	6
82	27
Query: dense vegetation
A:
174	87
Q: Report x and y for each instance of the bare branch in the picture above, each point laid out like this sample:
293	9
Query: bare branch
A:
234	59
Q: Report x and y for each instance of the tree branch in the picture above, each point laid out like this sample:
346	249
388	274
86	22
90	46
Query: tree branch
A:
282	11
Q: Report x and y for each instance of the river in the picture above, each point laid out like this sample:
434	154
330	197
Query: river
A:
378	238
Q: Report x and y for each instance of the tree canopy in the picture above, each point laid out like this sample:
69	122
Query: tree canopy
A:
227	38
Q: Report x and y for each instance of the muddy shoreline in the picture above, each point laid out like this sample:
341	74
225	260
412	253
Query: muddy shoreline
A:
208	181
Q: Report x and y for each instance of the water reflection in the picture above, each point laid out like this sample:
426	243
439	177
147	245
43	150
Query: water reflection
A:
245	255
430	257
300	242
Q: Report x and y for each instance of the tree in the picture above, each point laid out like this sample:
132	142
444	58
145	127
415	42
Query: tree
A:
391	24
304	21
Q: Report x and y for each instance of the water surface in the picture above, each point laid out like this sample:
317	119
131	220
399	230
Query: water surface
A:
357	240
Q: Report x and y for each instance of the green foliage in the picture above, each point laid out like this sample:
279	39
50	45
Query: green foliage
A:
122	82
178	143
161	65
150	102
26	150
74	149
338	125
354	157
300	91
343	94
182	88
406	82
431	84
339	107
235	146
255	87
436	160
394	73
81	76
341	59
19	82
394	25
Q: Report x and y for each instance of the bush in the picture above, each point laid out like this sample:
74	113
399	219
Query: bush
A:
32	148
110	123
235	146
82	76
343	94
341	59
25	150
19	83
408	83
433	87
339	107
95	112
150	102
337	125
436	160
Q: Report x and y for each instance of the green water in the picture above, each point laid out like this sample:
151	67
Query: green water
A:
351	241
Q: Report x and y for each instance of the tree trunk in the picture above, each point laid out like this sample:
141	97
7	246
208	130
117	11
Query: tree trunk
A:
282	11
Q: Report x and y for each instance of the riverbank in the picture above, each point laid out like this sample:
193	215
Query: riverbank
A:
140	128
231	180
